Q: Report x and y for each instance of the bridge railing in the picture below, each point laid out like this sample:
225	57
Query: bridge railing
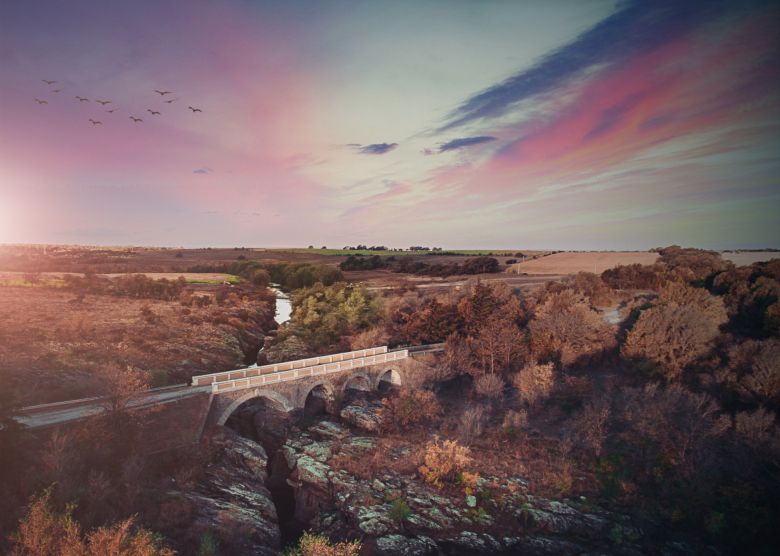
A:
314	370
213	378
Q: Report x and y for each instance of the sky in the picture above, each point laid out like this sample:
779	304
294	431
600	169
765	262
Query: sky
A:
565	124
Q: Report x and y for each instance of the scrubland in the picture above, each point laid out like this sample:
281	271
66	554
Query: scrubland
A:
665	416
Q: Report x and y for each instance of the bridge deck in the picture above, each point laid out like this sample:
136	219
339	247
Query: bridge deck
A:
224	376
313	370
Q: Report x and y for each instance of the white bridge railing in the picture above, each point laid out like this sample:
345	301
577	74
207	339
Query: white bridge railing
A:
201	380
277	376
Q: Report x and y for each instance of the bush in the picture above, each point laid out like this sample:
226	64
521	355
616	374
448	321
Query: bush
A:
400	511
490	387
209	545
535	382
45	531
409	407
472	422
311	544
443	461
515	421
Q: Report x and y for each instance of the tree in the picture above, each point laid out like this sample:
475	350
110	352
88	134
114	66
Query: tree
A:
676	330
565	329
118	385
500	345
671	427
409	407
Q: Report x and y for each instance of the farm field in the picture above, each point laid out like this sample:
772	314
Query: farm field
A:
54	279
744	258
571	263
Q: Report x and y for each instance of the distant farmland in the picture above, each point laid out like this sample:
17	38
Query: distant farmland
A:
570	263
402	253
744	258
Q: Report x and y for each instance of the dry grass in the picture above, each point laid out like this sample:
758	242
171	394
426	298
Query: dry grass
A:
571	263
52	341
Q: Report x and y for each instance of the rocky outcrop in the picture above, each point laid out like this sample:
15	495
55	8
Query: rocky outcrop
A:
399	515
364	416
231	502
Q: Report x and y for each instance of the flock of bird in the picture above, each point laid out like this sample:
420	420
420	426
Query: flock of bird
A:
110	109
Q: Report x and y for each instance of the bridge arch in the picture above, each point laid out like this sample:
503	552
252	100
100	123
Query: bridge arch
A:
389	379
358	381
256	393
318	398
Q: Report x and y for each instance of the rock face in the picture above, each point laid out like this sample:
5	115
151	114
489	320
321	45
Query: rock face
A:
232	502
363	416
397	514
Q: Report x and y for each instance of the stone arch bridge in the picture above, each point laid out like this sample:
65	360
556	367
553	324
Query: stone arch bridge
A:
186	410
290	384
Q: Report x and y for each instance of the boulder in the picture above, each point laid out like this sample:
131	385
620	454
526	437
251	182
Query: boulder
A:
363	417
399	545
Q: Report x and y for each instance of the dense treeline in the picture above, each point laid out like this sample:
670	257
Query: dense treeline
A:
475	265
290	276
131	285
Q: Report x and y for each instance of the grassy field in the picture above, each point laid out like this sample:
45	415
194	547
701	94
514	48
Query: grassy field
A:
570	263
190	277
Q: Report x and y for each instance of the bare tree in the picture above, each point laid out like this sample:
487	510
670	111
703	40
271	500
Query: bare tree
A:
119	385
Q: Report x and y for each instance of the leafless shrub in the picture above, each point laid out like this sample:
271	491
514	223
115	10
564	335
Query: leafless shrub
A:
515	421
471	424
535	382
490	387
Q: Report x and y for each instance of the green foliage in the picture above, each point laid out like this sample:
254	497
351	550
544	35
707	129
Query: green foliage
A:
322	314
609	470
479	515
289	276
209	545
400	510
158	378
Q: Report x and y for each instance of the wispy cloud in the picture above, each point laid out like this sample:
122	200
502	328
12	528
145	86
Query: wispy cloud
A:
637	27
204	170
465	142
374	148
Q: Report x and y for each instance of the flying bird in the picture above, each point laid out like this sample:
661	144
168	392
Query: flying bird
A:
135	120
194	109
112	110
39	101
56	90
95	122
48	82
172	100
153	112
162	93
82	99
103	102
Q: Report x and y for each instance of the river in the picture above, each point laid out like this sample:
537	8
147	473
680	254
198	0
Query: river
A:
283	306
